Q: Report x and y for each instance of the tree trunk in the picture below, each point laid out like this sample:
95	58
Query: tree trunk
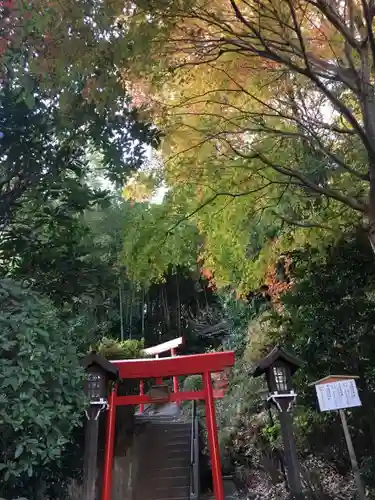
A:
178	305
371	205
143	312
367	402
164	298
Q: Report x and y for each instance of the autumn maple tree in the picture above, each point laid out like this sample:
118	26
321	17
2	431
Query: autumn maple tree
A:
282	90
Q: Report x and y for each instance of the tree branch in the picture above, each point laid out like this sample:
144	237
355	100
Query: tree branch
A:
346	200
211	200
304	224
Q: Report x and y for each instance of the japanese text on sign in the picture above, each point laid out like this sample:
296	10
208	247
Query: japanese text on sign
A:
338	395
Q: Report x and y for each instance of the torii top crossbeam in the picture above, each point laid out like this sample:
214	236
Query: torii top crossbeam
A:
174	366
164	347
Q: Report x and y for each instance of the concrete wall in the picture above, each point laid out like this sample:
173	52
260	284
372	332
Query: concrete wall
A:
126	465
129	438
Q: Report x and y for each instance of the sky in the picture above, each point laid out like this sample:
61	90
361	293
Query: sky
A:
160	192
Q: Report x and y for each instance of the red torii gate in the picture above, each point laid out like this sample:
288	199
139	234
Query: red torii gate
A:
159	368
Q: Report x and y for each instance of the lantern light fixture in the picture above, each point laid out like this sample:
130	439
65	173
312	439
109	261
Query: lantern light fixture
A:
278	367
280	374
99	374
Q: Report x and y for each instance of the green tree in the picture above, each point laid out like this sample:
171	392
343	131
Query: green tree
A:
279	91
327	320
78	55
150	248
41	150
40	384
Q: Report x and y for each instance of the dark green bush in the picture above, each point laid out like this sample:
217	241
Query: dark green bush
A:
40	384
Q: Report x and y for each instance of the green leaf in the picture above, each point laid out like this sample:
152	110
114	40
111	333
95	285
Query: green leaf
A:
19	451
29	100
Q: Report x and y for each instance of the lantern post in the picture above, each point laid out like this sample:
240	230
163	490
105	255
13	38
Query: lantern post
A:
99	374
278	367
263	394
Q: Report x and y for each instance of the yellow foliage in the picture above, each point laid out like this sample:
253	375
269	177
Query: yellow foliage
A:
232	94
259	339
139	188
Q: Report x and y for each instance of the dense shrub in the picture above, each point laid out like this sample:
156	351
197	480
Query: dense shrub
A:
40	384
193	383
116	349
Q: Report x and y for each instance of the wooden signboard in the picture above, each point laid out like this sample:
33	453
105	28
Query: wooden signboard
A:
338	392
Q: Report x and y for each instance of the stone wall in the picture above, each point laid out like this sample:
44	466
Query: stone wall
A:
128	442
126	464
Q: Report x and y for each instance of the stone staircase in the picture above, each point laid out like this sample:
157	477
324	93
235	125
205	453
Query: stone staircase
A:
164	467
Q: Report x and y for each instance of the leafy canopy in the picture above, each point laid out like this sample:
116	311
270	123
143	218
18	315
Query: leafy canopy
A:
149	250
262	147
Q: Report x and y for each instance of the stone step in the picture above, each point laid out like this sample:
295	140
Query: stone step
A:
173	470
183	444
161	421
172	429
162	455
159	416
166	463
166	482
166	425
170	463
168	433
158	493
185	497
167	437
154	478
170	447
169	430
166	440
162	495
167	473
171	453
